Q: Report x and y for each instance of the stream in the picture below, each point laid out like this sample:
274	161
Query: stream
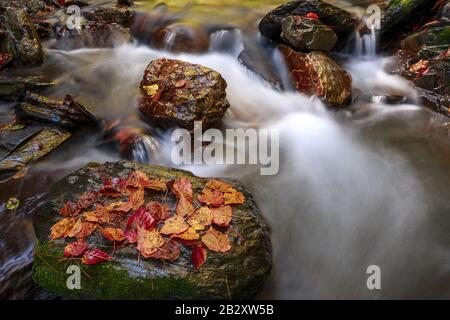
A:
354	189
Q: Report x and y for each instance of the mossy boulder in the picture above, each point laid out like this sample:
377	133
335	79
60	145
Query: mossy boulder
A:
176	93
239	274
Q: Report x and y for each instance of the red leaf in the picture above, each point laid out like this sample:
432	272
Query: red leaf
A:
157	210
75	249
95	256
182	187
312	15
69	209
87	199
169	251
113	187
198	256
141	218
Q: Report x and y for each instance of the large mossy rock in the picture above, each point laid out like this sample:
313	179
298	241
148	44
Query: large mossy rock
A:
342	22
178	93
314	73
239	274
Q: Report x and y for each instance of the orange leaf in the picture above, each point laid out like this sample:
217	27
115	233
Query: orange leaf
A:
212	198
60	228
189	234
182	187
86	230
139	179
75	229
235	197
216	241
120	206
113	234
157	210
69	209
201	218
137	198
169	251
222	215
87	199
175	224
148	241
184	207
219	185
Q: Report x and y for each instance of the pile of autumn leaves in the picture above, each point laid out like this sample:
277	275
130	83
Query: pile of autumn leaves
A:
151	227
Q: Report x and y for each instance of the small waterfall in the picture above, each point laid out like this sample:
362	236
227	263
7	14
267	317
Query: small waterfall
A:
226	40
366	44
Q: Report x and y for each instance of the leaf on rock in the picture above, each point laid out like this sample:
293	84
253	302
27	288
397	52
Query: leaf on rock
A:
214	198
169	251
148	241
175	224
201	218
137	198
113	234
157	210
216	241
69	209
95	256
219	185
120	206
115	187
235	197
184	207
141	218
87	228
131	235
87	199
75	229
198	256
222	215
61	228
140	180
189	235
183	188
75	249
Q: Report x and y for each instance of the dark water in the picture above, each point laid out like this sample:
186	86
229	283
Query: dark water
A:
354	189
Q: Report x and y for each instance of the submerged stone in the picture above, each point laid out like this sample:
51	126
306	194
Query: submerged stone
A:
177	93
238	274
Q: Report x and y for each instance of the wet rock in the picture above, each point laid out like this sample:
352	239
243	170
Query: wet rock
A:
342	22
177	93
125	3
307	34
14	134
22	39
107	15
66	113
316	74
399	13
181	38
221	277
15	88
107	35
38	146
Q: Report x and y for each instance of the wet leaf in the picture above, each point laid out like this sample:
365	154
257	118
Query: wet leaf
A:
139	179
184	207
113	234
151	89
219	185
87	228
175	224
157	210
169	251
214	198
198	256
312	15
61	228
235	197
75	249
183	188
131	235
95	256
201	218
137	198
141	218
115	187
189	234
216	241
222	215
148	241
69	209
120	206
77	227
87	199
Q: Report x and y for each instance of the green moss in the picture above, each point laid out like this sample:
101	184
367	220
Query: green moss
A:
444	36
102	281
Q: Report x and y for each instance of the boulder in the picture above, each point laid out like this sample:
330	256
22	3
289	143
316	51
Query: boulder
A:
108	15
15	88
307	34
22	39
238	274
342	22
181	38
316	74
177	93
260	62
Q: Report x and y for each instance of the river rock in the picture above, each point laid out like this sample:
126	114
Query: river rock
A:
177	93
108	15
181	38
307	34
22	39
342	22
238	274
316	74
15	88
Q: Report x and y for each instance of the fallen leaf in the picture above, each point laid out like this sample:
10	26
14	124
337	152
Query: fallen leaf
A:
137	198
189	234
235	197
60	228
214	198
120	206
75	249
222	215
151	89
312	15
216	241
69	209
75	229
115	187
141	218
95	256
183	187
148	241
169	251
175	224
157	210
219	185
86	230
201	218
87	199
131	235
113	234
184	207
198	256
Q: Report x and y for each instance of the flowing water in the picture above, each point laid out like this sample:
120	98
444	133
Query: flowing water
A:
359	188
